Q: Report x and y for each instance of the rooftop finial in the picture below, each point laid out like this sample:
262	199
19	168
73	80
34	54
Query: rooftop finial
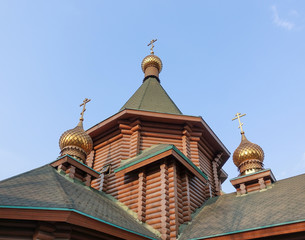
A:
152	46
238	116
86	100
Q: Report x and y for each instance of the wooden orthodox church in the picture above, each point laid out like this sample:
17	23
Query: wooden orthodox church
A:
150	172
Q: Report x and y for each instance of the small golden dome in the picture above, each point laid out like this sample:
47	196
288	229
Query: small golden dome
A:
76	142
248	157
151	61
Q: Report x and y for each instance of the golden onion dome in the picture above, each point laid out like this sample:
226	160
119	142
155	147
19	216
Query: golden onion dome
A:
76	137
151	61
76	142
248	156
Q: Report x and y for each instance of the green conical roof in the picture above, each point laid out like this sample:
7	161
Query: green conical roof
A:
151	96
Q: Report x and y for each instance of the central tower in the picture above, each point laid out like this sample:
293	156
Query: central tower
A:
160	163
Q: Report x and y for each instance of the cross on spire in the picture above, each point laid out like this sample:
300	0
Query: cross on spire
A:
84	108
152	45
238	116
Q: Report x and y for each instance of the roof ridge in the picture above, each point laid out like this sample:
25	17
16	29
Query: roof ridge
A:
145	90
66	196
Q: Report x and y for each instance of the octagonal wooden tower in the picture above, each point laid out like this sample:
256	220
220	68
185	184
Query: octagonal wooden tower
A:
160	163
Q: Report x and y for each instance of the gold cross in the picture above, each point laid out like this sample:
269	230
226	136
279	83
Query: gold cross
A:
84	108
152	45
238	116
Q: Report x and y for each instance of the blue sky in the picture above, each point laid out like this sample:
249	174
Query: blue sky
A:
219	57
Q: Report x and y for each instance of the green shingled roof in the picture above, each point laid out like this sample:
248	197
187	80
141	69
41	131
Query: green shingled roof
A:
153	151
282	204
45	188
151	96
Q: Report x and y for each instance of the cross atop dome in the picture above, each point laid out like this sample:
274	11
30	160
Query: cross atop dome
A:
152	46
238	116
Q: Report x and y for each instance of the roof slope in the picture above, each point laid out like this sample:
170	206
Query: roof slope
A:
153	151
281	204
44	188
151	96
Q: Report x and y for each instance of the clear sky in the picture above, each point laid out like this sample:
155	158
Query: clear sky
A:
219	58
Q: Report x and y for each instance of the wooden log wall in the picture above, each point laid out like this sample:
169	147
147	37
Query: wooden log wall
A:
153	198
205	161
156	133
173	201
197	192
163	196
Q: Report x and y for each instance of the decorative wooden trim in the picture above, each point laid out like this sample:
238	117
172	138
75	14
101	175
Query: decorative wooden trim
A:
173	201
135	138
165	230
215	176
142	197
253	182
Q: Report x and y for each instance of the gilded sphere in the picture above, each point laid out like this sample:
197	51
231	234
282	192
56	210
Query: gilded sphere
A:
247	151
151	61
76	137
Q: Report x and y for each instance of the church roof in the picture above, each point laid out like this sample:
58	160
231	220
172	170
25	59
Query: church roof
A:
157	152
151	96
227	214
44	188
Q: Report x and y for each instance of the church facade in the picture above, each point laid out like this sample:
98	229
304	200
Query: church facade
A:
150	172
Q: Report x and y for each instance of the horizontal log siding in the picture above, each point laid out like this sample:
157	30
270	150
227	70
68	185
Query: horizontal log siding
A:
194	151
197	193
206	167
153	198
129	198
173	201
148	141
106	154
180	200
185	209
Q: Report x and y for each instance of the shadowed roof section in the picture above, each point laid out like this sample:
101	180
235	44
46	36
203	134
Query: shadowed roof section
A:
45	188
228	214
151	96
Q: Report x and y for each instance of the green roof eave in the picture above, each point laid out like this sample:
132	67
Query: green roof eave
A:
247	175
79	212
159	152
249	229
76	161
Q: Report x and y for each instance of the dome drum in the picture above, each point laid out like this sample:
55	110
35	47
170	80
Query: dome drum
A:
151	65
75	152
250	166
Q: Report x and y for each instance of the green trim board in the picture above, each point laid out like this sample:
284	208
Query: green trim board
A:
249	229
79	212
160	148
264	170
